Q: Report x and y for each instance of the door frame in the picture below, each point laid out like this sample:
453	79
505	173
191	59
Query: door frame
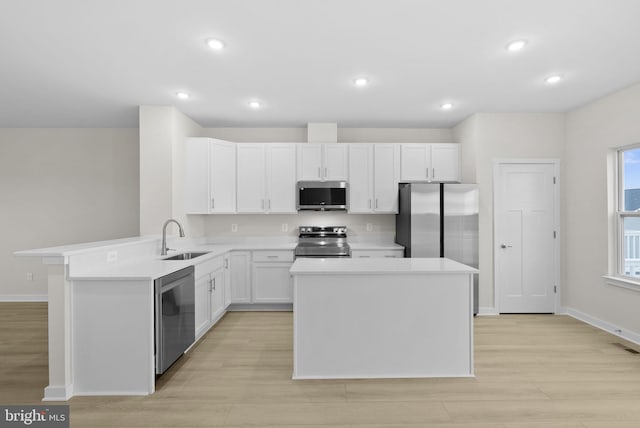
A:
497	163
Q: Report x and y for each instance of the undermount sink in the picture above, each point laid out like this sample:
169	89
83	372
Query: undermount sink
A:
186	256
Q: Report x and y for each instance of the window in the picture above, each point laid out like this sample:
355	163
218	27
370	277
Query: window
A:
628	212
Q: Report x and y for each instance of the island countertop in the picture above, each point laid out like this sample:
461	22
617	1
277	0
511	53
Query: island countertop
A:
387	266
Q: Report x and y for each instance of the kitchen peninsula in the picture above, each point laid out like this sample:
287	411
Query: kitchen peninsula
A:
382	318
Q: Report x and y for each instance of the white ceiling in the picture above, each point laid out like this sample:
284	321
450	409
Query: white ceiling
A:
78	63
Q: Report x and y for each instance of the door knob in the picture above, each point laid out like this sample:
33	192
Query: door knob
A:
505	246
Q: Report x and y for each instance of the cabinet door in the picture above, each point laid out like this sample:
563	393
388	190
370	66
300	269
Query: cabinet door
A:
223	177
336	163
227	282
309	160
251	178
385	178
202	303
415	162
196	192
272	283
445	162
281	178
217	295
240	277
360	178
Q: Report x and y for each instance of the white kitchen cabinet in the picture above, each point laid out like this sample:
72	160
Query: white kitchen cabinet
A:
365	254
210	176
209	294
266	178
430	162
240	275
227	281
374	171
271	281
322	161
445	162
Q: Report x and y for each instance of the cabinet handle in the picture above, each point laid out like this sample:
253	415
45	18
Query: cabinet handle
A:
390	256
433	173
226	263
364	257
325	172
272	257
213	203
269	203
369	203
376	203
319	173
427	173
214	284
262	203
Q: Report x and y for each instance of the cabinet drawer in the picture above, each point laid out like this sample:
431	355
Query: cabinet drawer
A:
273	256
377	254
208	266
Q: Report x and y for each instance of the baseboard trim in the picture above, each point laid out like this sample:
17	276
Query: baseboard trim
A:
631	336
487	311
262	307
24	298
58	393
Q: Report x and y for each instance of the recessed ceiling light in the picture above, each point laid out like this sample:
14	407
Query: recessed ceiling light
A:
446	106
255	104
516	45
361	81
182	95
552	80
215	44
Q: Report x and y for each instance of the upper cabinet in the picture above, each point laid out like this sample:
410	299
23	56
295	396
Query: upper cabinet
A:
374	172
430	162
210	176
326	161
266	178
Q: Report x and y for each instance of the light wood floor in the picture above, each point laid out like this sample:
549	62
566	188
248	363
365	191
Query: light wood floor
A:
531	371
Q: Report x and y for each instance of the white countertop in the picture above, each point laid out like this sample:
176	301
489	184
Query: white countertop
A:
395	266
149	267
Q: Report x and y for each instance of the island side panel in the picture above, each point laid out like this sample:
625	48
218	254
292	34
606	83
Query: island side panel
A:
382	326
113	336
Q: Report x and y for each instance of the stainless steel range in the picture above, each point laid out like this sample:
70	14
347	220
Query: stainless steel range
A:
322	241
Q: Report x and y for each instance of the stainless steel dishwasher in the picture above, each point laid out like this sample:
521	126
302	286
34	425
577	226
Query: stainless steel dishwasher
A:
175	316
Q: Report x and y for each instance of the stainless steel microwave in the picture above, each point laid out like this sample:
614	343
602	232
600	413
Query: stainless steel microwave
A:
322	196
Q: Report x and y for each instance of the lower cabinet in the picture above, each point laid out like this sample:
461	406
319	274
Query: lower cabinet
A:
239	276
209	294
272	282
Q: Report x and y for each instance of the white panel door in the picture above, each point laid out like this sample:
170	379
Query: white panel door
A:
525	257
281	178
223	177
360	178
386	166
309	162
336	164
445	162
415	162
251	178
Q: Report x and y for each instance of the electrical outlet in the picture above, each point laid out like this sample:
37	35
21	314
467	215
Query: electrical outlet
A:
234	227
29	276
369	227
285	227
112	256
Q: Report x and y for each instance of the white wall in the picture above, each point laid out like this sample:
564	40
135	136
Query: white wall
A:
593	132
503	136
62	186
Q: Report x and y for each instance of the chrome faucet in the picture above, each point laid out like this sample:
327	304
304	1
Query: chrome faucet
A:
164	250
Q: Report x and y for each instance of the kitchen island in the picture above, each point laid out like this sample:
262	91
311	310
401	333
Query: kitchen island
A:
382	318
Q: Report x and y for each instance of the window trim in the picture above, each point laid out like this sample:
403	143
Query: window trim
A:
618	278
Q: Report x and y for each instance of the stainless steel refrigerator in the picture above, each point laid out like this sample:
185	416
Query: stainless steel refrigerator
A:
440	220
